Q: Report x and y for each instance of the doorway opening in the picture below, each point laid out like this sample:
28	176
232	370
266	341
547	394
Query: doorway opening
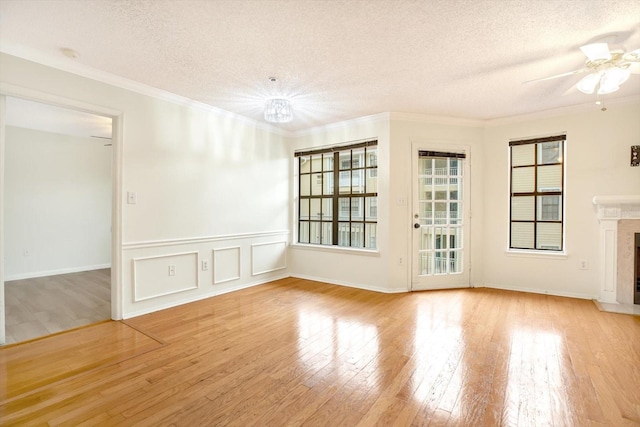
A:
57	218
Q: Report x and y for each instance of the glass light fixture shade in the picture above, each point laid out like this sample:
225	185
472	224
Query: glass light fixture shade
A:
612	79
588	83
278	110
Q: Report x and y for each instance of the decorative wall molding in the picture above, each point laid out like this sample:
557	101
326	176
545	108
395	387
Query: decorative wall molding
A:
617	207
268	257
226	264
196	240
150	274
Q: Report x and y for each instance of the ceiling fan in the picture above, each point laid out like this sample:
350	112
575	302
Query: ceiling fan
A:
606	69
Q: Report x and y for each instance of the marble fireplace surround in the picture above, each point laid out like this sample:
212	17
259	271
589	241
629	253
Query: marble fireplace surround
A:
619	218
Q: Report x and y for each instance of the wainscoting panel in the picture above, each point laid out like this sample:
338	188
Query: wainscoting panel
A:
268	257
162	275
226	264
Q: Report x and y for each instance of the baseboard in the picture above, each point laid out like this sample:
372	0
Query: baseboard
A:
214	293
349	285
578	295
36	274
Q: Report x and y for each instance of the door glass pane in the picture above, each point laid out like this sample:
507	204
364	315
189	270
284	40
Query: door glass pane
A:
425	166
455	261
425	261
440	258
426	238
440	213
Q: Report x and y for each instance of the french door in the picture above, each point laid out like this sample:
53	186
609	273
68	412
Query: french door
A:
440	218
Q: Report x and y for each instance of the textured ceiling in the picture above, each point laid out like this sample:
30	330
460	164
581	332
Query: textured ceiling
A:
335	60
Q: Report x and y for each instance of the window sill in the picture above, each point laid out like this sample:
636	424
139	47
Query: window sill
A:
536	254
336	249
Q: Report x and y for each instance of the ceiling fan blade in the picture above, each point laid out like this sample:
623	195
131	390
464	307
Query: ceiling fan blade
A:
634	68
570	73
595	51
633	56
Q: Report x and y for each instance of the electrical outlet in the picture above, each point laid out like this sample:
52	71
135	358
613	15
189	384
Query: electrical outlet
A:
205	265
172	270
400	261
584	265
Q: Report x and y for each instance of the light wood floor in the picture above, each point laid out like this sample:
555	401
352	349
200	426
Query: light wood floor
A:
295	352
46	305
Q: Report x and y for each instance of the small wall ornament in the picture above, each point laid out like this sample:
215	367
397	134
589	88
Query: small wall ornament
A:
635	155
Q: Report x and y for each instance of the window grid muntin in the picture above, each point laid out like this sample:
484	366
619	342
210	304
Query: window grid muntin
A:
536	193
367	165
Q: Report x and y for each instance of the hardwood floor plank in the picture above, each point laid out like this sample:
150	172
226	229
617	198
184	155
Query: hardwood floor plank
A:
296	352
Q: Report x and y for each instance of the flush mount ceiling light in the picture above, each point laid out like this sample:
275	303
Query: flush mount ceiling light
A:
278	110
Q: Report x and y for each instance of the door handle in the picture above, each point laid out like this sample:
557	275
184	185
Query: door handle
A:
416	225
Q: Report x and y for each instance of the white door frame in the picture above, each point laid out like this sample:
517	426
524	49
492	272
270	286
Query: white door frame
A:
116	186
451	147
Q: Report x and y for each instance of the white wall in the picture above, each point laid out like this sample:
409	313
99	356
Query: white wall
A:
597	163
57	203
351	267
405	130
204	179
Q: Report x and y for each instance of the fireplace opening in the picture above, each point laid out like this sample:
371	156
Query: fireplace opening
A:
636	294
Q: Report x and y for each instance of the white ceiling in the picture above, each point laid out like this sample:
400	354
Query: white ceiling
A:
338	59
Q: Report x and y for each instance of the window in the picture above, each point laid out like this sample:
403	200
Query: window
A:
537	194
338	196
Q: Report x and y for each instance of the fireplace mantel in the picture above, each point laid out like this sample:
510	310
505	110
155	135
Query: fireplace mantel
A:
612	209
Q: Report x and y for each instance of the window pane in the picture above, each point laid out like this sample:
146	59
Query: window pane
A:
522	155
305	185
316	163
549	236
315	209
371	208
549	208
328	162
372	181
315	232
303	234
345	160
549	152
328	183
372	157
357	209
357	158
305	164
522	208
316	184
550	178
344	208
344	232
327	209
357	181
370	236
326	233
357	235
345	182
304	209
522	180
522	235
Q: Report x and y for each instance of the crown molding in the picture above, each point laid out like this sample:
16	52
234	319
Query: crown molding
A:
373	118
562	111
73	67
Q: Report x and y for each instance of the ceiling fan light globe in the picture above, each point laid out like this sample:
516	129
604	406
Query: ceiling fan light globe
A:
588	83
612	79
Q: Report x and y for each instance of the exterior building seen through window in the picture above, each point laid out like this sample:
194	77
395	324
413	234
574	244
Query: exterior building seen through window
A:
338	196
